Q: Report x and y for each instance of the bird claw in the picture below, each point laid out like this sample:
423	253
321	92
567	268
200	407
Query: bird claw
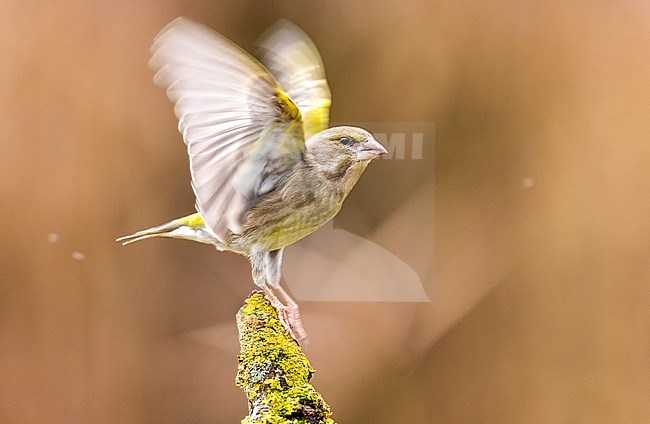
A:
288	314
290	319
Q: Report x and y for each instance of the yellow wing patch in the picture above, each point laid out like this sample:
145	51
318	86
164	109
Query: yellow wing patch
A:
288	109
317	116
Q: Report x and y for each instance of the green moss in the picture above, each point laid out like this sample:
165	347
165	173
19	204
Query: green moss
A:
273	372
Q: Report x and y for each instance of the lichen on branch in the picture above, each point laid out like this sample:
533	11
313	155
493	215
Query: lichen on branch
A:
273	372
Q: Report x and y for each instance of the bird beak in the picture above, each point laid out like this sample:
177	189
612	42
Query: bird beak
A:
370	149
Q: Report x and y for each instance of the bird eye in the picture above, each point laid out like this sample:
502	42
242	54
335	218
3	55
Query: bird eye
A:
345	141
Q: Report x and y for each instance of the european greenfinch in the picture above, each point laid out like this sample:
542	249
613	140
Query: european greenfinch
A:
266	170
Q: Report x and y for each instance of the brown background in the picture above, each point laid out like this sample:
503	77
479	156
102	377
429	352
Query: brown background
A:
540	307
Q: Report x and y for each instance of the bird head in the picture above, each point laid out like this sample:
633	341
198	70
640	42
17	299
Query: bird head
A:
351	144
342	154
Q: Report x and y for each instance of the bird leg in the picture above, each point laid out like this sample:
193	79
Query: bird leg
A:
267	275
290	315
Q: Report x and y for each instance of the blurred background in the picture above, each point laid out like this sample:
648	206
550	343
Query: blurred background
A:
538	279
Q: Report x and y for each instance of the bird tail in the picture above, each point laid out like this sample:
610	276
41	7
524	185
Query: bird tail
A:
190	227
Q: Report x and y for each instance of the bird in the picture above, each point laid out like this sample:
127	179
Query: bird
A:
265	168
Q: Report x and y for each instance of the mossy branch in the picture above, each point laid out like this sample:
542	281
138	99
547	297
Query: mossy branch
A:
273	371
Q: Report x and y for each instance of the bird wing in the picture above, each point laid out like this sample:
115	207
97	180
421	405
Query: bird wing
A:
293	59
243	133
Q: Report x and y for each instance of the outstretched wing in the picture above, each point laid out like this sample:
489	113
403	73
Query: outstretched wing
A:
294	60
243	133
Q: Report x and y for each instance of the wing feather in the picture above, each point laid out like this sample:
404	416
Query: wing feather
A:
233	116
294	60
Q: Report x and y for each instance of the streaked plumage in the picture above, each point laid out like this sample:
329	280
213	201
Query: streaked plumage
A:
265	170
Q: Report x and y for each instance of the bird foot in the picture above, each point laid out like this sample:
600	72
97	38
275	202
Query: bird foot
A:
290	319
288	314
